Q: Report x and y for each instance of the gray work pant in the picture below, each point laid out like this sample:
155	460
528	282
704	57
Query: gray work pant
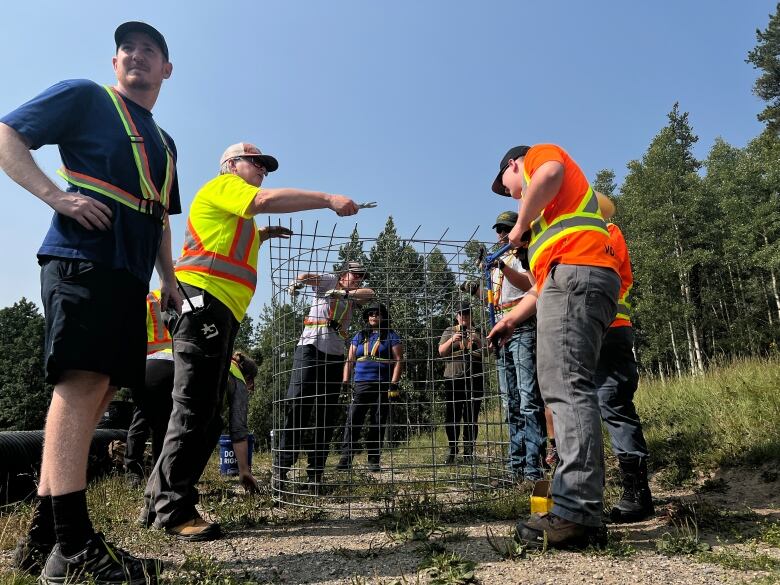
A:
575	308
616	379
202	345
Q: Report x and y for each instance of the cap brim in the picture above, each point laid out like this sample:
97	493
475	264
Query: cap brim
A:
506	225
269	162
126	28
498	186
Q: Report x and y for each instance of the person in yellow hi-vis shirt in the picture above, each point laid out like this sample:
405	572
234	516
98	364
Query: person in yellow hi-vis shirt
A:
217	273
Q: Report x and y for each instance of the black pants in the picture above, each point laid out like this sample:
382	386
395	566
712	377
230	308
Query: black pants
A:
202	345
311	408
462	402
369	399
153	404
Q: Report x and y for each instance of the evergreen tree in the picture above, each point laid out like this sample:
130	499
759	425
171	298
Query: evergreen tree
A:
24	396
766	56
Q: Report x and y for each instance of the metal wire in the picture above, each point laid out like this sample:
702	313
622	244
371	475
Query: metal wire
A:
418	280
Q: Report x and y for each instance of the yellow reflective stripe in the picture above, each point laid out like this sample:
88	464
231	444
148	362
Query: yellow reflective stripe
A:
105	189
562	234
236	371
148	191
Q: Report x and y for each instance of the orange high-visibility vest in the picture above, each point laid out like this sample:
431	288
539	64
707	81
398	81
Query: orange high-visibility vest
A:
157	336
623	317
569	229
152	202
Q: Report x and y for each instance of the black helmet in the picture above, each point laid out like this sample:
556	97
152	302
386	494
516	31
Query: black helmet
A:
376	307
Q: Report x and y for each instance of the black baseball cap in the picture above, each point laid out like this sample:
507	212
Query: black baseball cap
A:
512	154
131	26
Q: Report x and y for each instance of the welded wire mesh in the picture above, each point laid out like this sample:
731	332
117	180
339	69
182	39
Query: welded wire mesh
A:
424	435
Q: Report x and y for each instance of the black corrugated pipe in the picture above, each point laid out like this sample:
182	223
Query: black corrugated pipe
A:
20	460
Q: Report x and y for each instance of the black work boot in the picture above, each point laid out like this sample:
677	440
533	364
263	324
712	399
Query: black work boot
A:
636	502
558	532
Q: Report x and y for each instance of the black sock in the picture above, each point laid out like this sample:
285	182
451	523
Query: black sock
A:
71	522
552	442
42	525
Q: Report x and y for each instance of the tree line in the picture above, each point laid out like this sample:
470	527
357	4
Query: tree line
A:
703	237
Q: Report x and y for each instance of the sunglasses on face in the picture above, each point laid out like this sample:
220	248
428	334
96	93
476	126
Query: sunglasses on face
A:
373	314
257	163
502	230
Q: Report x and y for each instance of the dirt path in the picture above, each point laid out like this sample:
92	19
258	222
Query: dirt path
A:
735	515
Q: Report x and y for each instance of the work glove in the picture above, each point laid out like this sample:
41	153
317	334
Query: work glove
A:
345	395
497	263
470	286
393	392
336	293
522	255
294	287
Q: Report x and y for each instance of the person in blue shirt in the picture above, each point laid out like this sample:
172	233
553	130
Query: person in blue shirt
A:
376	355
109	231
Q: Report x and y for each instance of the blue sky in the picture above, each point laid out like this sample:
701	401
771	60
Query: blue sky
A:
407	103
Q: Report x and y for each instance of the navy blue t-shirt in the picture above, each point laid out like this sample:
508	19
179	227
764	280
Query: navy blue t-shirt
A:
79	117
374	370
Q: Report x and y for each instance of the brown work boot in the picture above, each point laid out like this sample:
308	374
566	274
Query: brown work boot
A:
195	530
560	533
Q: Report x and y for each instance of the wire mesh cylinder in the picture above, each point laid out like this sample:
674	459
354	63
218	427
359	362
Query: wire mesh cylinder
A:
350	448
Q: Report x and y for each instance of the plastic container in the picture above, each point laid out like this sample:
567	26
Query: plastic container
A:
228	463
541	501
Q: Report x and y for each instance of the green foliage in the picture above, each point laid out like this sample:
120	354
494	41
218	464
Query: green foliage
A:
766	57
727	416
24	396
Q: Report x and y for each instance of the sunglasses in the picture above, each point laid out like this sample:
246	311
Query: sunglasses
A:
255	162
502	229
373	314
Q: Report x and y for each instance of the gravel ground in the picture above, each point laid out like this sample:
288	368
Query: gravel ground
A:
360	551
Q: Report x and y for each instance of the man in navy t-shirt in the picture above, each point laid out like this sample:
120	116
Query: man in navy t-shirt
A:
109	230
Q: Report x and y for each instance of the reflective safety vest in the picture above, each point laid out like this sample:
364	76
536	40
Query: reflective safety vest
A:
371	355
544	234
618	242
157	336
235	371
234	266
503	307
338	312
152	202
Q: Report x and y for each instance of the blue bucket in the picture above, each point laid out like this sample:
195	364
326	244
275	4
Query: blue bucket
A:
228	464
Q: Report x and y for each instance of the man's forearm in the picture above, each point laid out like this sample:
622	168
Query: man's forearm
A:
523	310
288	200
362	295
241	451
544	187
19	165
164	261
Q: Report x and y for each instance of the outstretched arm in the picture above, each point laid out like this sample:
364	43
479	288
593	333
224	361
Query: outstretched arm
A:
289	200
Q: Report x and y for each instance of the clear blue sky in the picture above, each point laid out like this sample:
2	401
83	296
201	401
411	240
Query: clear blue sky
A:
408	103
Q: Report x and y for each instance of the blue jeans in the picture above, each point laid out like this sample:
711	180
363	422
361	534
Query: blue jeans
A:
616	381
522	402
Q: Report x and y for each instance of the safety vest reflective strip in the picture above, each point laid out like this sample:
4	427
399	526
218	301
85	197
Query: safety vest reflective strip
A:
371	356
503	307
157	336
148	190
236	371
585	218
196	258
312	322
624	307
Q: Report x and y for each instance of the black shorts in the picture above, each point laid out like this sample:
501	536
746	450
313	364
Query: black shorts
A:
95	321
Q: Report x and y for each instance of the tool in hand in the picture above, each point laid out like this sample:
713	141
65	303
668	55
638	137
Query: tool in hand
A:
369	205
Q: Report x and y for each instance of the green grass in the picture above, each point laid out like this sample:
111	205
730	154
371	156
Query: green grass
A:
726	417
